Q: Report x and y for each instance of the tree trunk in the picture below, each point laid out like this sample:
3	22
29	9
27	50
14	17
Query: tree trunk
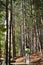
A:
6	45
21	40
10	31
13	39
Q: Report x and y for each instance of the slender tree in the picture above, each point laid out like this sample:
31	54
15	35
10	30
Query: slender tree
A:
13	31
13	38
6	44
10	31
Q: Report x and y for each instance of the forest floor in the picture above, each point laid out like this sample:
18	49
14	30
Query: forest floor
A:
36	59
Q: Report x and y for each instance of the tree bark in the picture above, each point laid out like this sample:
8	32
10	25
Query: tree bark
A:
6	44
13	39
10	31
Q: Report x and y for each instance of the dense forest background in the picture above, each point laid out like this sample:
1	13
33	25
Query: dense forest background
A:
26	20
